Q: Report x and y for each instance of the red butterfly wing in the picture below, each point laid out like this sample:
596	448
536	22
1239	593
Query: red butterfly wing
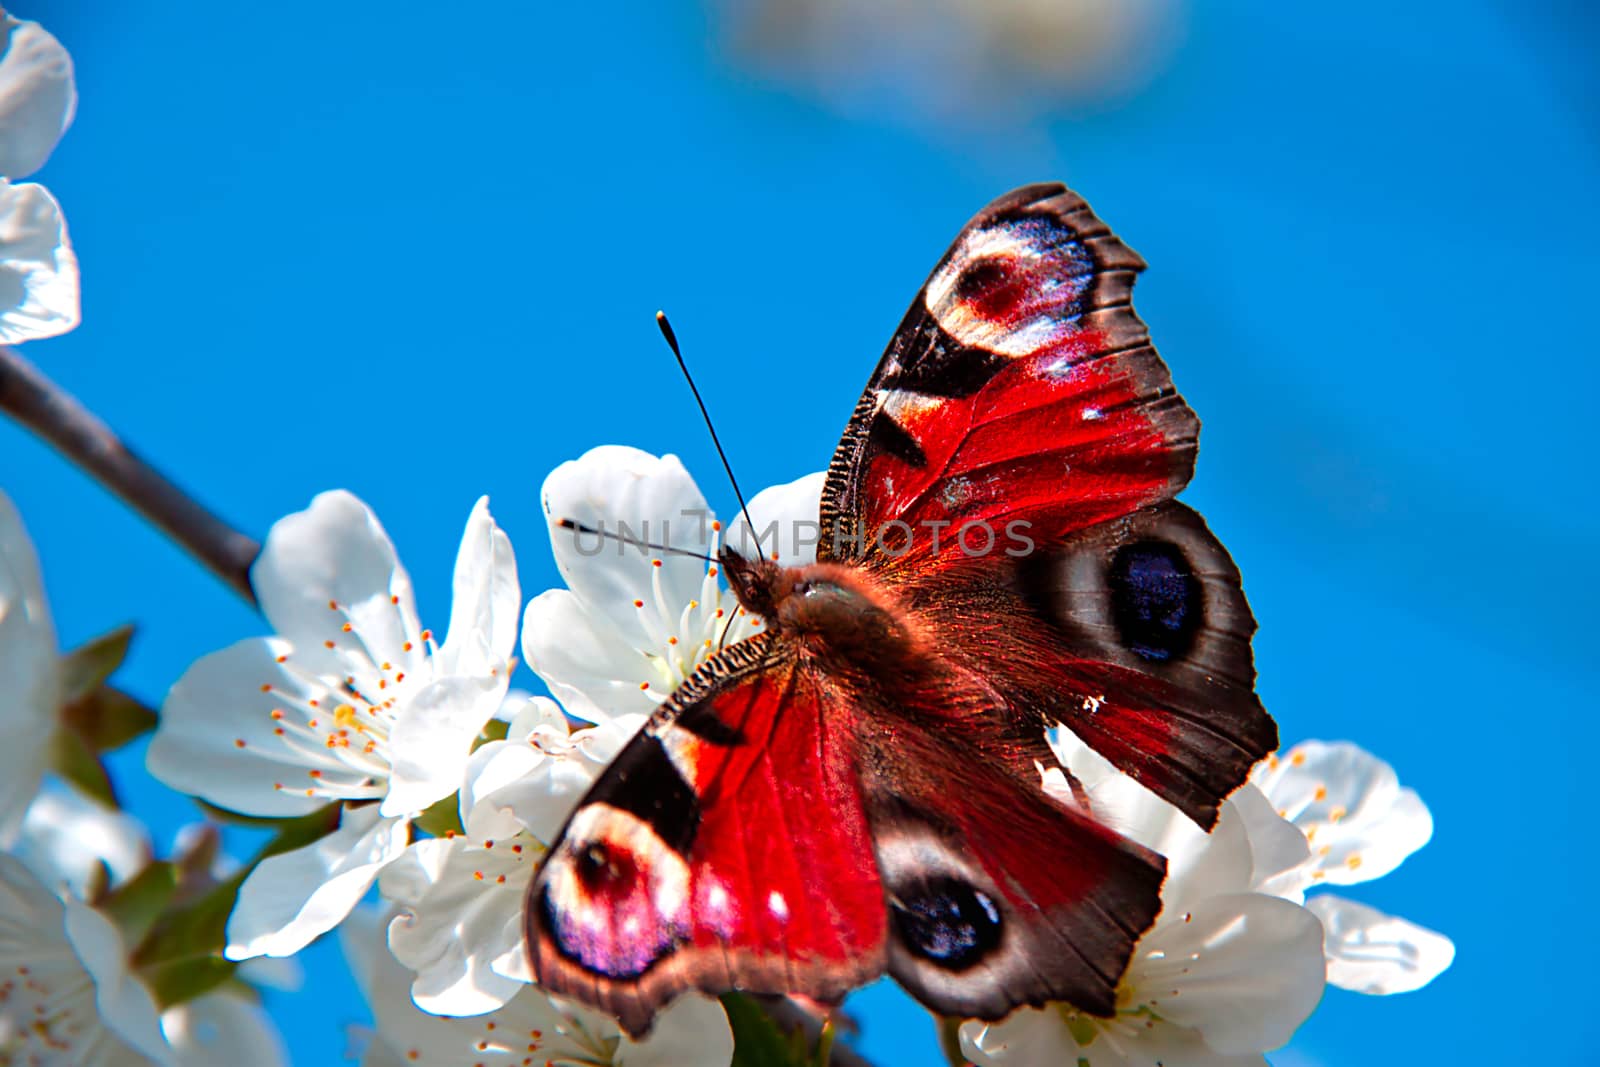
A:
727	847
1020	386
777	831
1022	389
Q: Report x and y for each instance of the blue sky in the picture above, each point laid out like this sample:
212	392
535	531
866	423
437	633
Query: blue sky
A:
416	254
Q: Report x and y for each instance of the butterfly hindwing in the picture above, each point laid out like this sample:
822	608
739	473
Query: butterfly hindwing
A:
1135	634
1000	896
1021	386
727	847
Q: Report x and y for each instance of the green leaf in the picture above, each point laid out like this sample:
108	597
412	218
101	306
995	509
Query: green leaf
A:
199	930
135	907
824	1045
183	980
108	718
72	759
493	730
442	818
86	668
757	1040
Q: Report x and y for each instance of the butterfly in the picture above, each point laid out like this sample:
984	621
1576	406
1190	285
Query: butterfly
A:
856	789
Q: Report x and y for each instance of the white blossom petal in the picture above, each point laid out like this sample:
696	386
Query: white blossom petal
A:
1277	847
786	519
459	899
51	1013
586	662
1371	952
37	95
1199	864
32	690
1245	970
623	490
124	1004
220	739
486	603
66	837
1040	1037
351	700
538	794
429	746
224	1027
461	910
1359	822
292	898
691	1033
330	574
38	269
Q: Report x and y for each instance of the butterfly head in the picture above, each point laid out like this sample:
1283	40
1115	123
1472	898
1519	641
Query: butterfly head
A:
758	583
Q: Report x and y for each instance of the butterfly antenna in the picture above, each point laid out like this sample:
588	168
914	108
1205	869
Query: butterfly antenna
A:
672	342
594	531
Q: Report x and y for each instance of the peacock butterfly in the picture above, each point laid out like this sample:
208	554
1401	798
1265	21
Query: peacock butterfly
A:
856	788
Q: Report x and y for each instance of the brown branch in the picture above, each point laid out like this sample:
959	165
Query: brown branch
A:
54	415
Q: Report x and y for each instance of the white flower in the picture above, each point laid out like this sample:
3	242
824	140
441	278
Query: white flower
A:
31	693
1226	973
634	622
37	96
351	701
223	1027
66	837
38	271
459	923
531	1027
66	997
1359	824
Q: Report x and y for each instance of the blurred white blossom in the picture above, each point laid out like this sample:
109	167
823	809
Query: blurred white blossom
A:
68	838
66	995
985	60
38	270
32	690
352	701
228	1026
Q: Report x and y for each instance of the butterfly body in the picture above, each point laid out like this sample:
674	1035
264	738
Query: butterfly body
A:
857	789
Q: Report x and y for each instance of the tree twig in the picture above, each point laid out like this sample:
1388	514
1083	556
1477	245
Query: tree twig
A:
54	415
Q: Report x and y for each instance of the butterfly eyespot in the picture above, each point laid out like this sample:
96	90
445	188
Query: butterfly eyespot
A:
948	923
1155	600
598	867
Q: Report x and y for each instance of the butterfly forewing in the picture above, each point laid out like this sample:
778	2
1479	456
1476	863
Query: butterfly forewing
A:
1010	464
1020	386
727	847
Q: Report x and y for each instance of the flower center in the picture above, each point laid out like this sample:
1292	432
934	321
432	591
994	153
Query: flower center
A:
45	1012
682	637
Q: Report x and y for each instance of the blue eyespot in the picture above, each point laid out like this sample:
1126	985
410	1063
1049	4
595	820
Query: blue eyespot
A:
947	922
1155	600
